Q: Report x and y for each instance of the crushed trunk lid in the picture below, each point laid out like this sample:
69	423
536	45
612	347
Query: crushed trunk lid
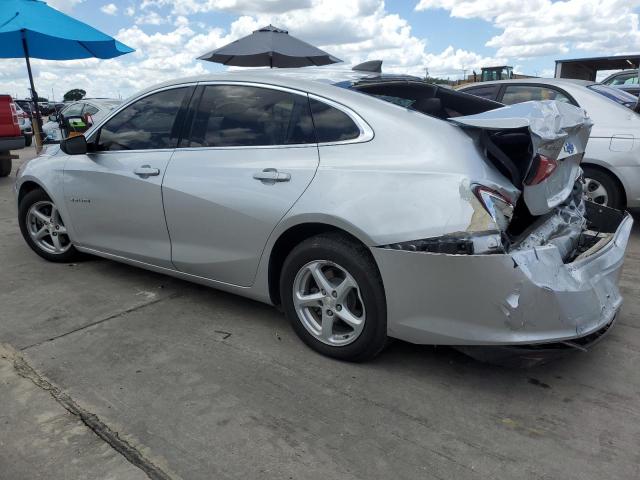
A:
538	145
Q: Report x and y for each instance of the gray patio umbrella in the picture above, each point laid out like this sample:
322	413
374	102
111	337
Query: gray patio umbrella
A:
269	46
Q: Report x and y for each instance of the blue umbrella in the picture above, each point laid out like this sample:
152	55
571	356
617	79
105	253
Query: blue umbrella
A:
31	28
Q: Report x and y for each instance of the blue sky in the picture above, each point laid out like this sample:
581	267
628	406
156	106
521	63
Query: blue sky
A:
410	35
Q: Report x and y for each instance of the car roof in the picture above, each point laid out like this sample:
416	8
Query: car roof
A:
535	81
318	79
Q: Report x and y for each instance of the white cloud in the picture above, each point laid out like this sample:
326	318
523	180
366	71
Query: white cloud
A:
151	18
353	30
109	9
130	11
64	5
541	27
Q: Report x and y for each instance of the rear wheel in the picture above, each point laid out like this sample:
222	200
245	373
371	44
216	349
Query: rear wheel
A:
601	188
43	228
333	296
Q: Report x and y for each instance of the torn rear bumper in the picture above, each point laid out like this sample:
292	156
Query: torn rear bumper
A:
524	297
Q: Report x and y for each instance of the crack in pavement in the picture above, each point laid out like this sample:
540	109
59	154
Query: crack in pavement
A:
102	320
92	421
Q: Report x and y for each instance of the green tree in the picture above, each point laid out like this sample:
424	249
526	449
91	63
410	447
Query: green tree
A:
74	95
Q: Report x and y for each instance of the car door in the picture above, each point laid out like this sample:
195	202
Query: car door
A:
249	154
113	194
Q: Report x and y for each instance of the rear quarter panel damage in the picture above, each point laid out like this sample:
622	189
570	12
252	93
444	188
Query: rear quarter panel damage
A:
526	297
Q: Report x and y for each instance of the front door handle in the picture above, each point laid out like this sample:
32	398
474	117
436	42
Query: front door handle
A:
272	175
146	171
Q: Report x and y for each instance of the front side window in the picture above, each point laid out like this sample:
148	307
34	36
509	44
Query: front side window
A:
246	116
331	124
525	93
615	94
488	91
149	123
73	110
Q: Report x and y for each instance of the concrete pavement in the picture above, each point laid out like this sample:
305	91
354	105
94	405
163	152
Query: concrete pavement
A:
187	382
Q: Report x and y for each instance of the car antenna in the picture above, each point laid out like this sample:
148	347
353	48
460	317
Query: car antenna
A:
370	66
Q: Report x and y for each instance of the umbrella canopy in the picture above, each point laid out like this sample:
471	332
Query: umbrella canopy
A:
272	47
31	28
51	34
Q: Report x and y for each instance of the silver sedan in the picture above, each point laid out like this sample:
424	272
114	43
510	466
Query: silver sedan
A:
367	207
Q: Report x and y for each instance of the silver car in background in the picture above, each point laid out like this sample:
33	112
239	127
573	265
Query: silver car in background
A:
612	161
81	113
349	199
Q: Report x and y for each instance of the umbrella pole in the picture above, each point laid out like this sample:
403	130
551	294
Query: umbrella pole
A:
37	126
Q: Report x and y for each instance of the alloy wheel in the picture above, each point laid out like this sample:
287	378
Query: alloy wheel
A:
595	191
328	302
46	228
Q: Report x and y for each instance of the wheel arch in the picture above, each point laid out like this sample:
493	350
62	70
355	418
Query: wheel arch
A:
288	240
607	171
29	186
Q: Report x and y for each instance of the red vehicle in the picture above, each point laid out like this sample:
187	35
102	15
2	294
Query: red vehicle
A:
11	137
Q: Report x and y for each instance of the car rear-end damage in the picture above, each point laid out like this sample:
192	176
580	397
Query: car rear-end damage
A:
536	265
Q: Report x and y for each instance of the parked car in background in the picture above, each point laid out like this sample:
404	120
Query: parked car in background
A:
77	117
611	162
25	125
626	80
27	106
11	137
352	200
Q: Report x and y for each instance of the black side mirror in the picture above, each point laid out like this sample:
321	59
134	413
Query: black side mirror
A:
76	145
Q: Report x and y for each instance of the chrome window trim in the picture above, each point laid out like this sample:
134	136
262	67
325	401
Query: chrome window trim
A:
366	132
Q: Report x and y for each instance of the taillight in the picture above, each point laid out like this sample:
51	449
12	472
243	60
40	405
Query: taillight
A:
14	114
542	169
499	207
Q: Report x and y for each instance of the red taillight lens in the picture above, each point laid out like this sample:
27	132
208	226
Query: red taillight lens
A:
544	167
14	114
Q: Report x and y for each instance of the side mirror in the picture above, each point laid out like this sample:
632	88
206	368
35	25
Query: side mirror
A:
76	145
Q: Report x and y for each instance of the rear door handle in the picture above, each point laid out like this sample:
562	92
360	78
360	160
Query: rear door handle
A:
146	171
272	175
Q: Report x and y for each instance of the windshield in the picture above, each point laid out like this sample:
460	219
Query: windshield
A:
615	94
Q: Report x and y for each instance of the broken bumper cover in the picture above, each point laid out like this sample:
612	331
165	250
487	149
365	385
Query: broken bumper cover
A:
524	297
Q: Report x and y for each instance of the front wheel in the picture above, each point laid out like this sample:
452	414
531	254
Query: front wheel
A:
43	229
333	295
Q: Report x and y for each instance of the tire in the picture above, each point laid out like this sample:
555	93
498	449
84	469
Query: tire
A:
340	259
39	200
28	140
5	167
602	188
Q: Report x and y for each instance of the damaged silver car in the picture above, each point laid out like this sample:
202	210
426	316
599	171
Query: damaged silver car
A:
366	206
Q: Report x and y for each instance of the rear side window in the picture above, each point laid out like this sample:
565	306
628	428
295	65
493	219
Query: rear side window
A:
331	124
526	93
245	116
626	79
150	123
90	110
